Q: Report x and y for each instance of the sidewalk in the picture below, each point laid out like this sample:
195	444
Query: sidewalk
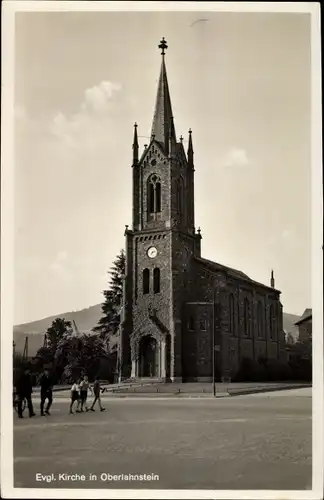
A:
108	387
179	391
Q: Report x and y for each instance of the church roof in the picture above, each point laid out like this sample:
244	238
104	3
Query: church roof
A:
231	272
162	126
219	267
307	314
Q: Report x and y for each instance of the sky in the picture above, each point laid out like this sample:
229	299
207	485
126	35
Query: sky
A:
240	81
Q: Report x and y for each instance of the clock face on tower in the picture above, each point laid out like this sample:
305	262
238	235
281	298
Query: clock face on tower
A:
152	252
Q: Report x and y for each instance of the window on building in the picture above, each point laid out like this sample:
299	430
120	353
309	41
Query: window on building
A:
158	196
179	196
154	194
156	280
203	325
151	198
191	323
146	281
231	314
259	320
246	317
271	321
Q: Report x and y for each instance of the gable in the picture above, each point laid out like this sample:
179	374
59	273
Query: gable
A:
153	152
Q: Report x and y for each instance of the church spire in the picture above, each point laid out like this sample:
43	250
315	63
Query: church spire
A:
190	150
272	280
135	146
163	128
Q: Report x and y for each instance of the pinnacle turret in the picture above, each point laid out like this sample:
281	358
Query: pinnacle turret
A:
135	146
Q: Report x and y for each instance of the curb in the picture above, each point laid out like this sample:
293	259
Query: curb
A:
131	392
265	389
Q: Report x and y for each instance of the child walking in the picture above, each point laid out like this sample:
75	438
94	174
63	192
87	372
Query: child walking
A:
74	394
84	386
96	393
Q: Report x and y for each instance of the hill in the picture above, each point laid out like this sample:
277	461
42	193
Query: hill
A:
289	321
85	320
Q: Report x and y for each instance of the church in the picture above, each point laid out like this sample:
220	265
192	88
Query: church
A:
184	318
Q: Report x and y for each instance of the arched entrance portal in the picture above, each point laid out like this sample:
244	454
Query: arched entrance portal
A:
148	357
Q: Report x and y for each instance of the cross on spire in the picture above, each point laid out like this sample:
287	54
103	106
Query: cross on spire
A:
163	46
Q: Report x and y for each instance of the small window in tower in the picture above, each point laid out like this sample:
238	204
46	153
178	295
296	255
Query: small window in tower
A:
203	325
154	194
191	323
158	196
156	280
146	281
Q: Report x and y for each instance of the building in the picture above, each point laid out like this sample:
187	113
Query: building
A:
177	305
304	325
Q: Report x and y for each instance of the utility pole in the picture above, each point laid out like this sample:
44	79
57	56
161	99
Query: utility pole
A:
25	353
76	329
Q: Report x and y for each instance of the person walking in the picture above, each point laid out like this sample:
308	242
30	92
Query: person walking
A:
84	387
46	384
24	390
96	392
75	394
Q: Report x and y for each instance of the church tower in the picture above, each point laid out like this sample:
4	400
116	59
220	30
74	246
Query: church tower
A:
159	246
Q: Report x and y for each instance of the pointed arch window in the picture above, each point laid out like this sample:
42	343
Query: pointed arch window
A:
151	197
156	280
154	194
146	281
272	322
231	314
246	317
179	196
259	320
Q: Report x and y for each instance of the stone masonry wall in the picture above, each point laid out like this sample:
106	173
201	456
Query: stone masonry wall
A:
255	342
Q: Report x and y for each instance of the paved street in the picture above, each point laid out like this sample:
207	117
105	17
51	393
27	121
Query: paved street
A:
257	441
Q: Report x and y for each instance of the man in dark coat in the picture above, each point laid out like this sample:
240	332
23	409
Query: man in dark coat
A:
46	384
24	390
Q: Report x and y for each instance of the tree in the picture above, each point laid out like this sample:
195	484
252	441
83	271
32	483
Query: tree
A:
301	360
55	333
76	356
46	355
18	360
110	320
290	339
93	350
17	365
71	356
